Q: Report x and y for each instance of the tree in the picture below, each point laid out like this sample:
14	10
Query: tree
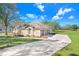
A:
74	27
45	22
7	12
53	24
66	27
70	27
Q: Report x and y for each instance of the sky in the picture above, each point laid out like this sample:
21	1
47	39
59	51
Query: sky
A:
64	13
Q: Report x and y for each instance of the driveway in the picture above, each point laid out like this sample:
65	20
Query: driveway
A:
39	48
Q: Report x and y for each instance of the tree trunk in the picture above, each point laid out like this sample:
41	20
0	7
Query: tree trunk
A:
6	25
6	31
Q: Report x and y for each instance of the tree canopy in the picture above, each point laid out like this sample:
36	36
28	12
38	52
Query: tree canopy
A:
7	14
54	24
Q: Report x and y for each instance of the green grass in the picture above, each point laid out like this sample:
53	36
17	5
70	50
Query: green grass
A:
73	48
12	41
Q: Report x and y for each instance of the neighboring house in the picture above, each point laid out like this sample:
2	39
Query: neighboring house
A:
32	29
2	29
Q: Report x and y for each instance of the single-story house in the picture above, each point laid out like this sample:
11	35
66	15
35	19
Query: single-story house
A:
2	28
32	29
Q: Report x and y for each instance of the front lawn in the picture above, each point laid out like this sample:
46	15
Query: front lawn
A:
73	48
12	41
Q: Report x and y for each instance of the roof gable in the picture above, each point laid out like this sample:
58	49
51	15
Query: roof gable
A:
39	26
34	25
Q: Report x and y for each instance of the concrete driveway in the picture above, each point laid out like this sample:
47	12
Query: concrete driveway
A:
39	48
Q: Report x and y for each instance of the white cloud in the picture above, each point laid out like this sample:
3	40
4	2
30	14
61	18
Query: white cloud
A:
23	17
56	17
60	12
63	11
42	17
31	15
39	18
40	6
36	18
71	17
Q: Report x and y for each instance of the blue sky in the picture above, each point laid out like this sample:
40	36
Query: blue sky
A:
64	13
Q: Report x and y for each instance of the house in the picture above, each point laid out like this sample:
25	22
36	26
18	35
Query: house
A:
2	28
32	29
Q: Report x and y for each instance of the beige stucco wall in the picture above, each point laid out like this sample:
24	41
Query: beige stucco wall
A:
33	32
16	32
24	32
37	33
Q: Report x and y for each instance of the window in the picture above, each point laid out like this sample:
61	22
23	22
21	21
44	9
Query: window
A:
0	29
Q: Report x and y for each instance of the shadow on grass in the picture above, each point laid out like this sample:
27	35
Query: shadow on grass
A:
73	54
57	54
